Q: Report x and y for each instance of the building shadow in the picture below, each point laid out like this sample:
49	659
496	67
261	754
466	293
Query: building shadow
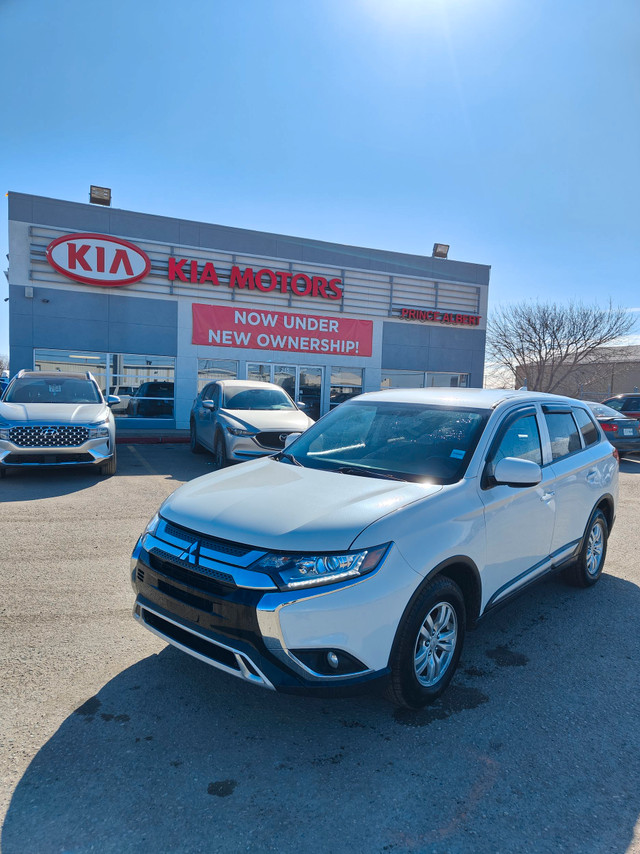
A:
534	747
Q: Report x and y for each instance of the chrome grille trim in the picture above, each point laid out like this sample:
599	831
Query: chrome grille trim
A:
48	435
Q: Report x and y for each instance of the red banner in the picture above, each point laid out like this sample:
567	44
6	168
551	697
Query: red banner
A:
278	330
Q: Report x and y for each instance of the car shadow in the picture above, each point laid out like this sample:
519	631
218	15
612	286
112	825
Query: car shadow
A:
630	465
173	462
535	745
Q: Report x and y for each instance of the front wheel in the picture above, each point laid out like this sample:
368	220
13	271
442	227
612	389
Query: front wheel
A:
219	452
428	645
590	562
109	468
194	446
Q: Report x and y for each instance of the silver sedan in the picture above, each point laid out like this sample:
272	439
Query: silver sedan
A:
239	420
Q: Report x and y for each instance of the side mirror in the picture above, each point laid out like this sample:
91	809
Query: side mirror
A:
291	438
513	471
208	404
112	399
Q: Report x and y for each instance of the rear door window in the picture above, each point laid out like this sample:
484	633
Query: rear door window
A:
563	433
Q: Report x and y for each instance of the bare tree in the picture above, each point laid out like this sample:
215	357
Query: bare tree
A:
4	362
544	344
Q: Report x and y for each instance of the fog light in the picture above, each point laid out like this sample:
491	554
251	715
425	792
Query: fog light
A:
333	660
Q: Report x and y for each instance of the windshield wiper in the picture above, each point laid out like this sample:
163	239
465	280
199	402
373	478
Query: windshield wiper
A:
365	472
283	455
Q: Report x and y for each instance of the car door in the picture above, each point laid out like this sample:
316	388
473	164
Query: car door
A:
519	520
205	417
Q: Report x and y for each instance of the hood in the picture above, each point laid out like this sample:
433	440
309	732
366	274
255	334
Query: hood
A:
275	506
265	419
54	413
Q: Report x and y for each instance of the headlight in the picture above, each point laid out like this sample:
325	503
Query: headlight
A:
152	525
99	431
5	430
305	570
236	431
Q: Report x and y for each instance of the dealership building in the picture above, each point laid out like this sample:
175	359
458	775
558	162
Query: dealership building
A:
157	307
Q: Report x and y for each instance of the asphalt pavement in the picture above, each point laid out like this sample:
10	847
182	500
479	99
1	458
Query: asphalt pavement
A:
111	741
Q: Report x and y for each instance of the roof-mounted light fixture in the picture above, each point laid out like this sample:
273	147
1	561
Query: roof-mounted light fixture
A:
440	250
99	195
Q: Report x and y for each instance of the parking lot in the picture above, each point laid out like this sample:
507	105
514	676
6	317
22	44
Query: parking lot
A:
112	741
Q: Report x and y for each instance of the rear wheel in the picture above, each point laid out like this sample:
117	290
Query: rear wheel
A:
590	562
428	645
219	451
194	445
109	468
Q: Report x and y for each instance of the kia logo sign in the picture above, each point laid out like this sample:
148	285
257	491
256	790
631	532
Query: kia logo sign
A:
97	259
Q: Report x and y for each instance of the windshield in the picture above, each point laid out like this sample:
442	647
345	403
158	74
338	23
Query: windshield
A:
256	398
52	390
404	440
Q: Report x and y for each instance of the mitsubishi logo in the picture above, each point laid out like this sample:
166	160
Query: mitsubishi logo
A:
191	554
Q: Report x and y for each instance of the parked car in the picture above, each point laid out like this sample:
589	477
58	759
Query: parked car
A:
239	420
56	419
621	431
152	400
360	554
124	392
628	404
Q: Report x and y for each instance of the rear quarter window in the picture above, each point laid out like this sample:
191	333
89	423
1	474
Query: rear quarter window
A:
587	427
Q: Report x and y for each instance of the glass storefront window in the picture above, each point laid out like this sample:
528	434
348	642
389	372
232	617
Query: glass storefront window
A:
259	373
73	361
216	369
144	384
402	379
442	380
345	383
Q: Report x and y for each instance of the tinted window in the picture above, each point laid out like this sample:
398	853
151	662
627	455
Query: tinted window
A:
563	434
256	398
615	403
521	440
602	411
631	404
587	427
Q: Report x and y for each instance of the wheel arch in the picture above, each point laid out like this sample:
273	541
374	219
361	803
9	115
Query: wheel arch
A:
607	505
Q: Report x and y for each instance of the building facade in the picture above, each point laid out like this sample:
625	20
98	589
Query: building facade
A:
156	307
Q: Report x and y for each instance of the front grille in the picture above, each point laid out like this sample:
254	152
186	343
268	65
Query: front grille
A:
187	575
272	440
46	459
195	642
53	436
186	597
172	560
220	546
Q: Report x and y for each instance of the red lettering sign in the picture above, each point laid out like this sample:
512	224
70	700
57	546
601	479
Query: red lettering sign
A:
263	280
98	259
437	317
220	326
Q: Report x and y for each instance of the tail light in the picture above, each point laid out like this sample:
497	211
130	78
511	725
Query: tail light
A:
609	428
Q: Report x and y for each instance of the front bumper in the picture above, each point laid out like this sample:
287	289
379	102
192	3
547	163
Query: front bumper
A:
268	637
91	452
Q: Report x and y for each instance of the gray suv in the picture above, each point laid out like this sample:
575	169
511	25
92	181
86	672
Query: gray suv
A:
56	419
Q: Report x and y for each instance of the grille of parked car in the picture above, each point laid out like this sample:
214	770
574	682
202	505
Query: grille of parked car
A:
49	436
220	546
273	440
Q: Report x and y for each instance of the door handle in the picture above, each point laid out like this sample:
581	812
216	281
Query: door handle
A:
547	496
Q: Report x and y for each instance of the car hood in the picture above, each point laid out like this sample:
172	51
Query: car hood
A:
54	413
265	419
276	506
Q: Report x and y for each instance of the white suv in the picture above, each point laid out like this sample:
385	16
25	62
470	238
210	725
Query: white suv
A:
360	553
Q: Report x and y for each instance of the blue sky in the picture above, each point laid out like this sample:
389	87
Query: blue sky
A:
509	129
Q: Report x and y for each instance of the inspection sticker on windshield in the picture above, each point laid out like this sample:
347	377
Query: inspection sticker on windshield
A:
55	389
457	455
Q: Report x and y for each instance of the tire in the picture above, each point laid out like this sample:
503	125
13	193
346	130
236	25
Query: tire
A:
194	446
109	468
418	674
588	567
219	451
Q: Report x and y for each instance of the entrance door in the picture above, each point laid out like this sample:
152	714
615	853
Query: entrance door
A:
310	391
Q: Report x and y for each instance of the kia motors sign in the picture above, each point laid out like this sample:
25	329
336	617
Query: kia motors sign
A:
278	330
97	259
